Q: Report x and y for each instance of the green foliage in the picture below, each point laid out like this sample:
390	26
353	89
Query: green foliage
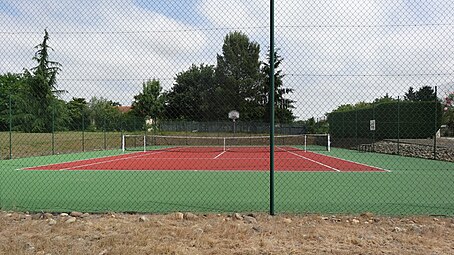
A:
11	86
238	76
191	97
239	82
78	112
448	110
104	116
40	92
149	103
425	93
313	126
283	105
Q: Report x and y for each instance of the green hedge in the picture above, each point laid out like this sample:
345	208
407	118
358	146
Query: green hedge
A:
404	119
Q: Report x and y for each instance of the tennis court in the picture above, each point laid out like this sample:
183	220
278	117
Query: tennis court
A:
194	158
293	153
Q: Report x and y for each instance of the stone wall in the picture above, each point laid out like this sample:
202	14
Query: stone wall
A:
414	150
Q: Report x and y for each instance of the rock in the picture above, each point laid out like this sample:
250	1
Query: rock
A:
237	216
287	220
143	219
249	220
104	252
85	215
324	218
71	220
52	222
189	216
367	215
355	221
64	214
37	216
176	216
76	214
398	230
48	216
415	228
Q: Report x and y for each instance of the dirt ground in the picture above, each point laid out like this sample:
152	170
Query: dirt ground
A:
186	233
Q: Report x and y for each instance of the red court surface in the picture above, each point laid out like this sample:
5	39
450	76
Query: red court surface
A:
286	159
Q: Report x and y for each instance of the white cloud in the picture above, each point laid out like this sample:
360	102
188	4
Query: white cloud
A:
336	51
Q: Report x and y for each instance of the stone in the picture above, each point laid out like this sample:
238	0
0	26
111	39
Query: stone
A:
71	220
64	214
367	215
76	214
398	230
143	219
249	220
176	216
237	216
52	222
48	216
287	220
189	216
355	221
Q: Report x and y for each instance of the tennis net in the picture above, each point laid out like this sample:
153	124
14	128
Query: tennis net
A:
307	142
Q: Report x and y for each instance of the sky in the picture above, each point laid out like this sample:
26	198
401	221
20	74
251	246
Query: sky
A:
335	52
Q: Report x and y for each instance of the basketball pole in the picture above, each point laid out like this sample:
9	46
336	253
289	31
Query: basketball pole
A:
271	100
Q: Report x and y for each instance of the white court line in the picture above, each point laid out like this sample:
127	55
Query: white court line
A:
314	161
107	161
220	154
385	170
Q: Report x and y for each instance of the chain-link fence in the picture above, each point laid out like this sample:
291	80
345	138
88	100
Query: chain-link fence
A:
157	106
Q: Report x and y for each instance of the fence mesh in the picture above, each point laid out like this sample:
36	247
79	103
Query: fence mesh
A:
364	106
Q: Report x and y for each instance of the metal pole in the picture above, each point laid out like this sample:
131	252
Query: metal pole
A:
53	128
271	99
398	125
436	124
10	128
83	131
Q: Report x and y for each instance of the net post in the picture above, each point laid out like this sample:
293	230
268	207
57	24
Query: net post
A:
305	143
144	143
329	142
224	149
123	143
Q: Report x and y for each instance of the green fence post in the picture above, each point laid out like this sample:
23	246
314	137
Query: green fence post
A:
53	128
10	128
83	131
104	133
436	124
398	125
271	93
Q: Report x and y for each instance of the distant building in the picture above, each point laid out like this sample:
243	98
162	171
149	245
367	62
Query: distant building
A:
124	109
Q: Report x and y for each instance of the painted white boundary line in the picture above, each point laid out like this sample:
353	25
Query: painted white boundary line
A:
220	154
314	161
108	161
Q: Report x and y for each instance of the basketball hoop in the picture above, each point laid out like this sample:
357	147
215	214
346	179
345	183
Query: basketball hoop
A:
234	115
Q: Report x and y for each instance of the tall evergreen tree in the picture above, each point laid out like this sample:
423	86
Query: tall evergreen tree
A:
42	90
283	105
238	77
